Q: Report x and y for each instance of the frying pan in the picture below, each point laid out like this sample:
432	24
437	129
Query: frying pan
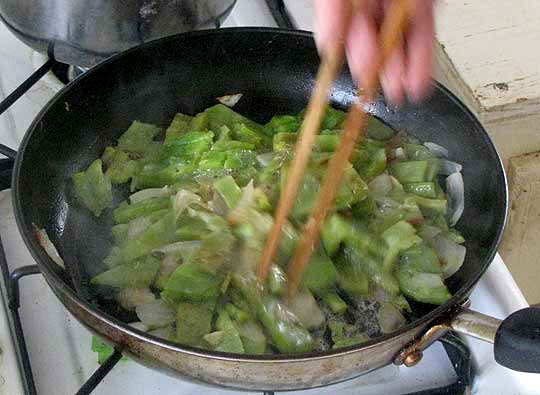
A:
275	70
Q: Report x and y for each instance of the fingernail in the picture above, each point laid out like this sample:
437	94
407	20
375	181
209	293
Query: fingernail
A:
392	96
413	96
385	86
416	93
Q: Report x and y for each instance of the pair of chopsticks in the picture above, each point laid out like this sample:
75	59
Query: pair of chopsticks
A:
391	34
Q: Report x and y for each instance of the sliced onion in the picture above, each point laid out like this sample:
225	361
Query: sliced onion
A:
48	246
167	267
250	330
396	183
150	193
381	295
139	325
390	318
129	298
399	153
428	232
305	307
411	139
280	310
449	167
427	280
218	205
214	338
248	195
385	203
156	314
263	221
183	248
163	333
230	100
248	259
381	185
266	158
450	253
242	213
137	226
436	150
455	190
183	200
169	264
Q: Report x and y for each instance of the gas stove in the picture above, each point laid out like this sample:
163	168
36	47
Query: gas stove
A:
59	348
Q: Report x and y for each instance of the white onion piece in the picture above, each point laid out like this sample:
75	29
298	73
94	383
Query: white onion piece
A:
305	307
449	167
427	280
262	221
139	325
156	314
183	200
168	265
381	185
280	310
250	330
266	158
163	333
399	153
218	205
230	100
48	246
428	232
241	213
385	203
248	196
183	248
381	295
390	318
450	253
248	259
396	183
437	150
149	193
129	298
137	226
455	190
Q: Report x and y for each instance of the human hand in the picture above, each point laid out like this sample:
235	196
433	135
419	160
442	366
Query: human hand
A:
409	69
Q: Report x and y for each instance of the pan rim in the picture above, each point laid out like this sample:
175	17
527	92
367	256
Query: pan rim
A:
46	265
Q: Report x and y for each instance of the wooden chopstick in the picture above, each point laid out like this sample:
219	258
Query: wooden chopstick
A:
331	64
312	121
391	35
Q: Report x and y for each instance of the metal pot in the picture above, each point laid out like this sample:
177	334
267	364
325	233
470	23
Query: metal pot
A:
83	33
275	70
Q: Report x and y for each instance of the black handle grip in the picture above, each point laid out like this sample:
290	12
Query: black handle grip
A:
517	342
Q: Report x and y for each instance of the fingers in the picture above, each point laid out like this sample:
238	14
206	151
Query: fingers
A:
393	77
408	71
420	51
361	45
330	16
363	48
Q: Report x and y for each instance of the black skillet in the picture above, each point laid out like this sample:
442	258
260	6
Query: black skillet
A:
275	70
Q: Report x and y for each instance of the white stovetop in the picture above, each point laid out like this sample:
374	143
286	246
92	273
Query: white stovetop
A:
59	346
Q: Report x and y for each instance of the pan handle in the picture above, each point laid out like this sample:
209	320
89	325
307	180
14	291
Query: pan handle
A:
516	339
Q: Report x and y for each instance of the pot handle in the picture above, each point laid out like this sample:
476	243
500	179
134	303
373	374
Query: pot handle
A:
516	339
